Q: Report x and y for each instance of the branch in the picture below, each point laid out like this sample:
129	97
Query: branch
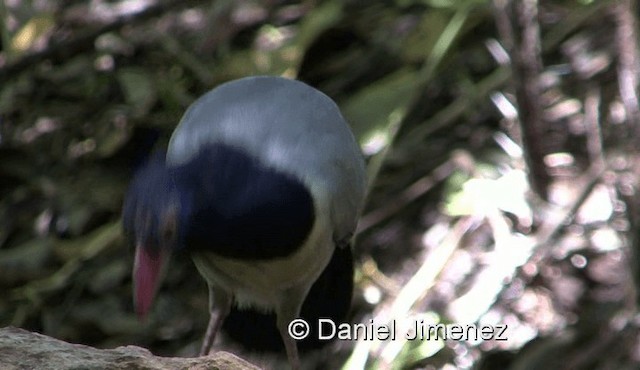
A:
85	42
518	26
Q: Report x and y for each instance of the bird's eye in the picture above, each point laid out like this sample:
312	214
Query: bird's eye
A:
169	226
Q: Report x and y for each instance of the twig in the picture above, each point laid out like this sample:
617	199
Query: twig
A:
559	219
518	25
592	124
628	63
451	113
419	284
186	58
92	245
410	194
552	226
417	288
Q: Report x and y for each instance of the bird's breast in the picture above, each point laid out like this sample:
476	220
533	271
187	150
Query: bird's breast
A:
261	284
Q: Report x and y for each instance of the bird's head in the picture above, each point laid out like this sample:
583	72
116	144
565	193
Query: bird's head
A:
154	216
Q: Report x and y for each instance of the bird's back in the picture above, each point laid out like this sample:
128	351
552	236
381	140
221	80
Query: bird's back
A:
287	125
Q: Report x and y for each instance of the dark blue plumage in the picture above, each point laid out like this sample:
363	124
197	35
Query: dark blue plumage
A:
240	210
151	206
243	209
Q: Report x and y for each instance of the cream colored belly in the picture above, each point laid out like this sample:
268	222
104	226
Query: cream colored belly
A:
261	284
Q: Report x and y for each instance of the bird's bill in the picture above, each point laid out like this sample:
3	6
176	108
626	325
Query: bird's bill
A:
148	269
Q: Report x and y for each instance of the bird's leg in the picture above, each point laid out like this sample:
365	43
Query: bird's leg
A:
287	312
289	344
219	307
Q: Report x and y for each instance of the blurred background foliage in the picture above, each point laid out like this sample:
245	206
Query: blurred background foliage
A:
452	233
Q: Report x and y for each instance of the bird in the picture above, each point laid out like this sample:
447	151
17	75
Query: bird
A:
262	184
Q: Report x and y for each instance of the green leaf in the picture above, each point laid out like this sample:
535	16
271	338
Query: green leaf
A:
372	109
138	88
32	31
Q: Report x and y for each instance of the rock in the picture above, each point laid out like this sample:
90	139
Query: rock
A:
21	349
